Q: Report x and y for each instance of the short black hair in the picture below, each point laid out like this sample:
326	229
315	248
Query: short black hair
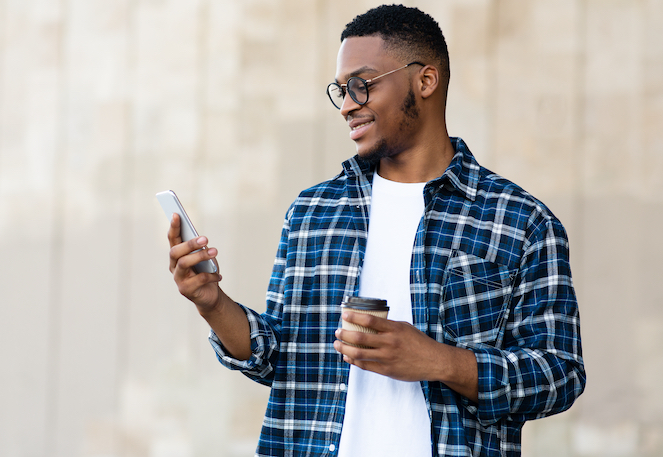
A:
406	31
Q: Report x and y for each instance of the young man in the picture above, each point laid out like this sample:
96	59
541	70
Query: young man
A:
483	331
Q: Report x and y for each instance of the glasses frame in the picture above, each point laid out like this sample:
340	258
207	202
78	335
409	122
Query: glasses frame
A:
365	82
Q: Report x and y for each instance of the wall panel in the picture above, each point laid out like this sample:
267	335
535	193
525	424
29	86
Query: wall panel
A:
103	103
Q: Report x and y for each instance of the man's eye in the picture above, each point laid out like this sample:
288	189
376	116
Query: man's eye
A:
357	87
337	92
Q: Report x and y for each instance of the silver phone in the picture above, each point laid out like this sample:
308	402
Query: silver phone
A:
171	204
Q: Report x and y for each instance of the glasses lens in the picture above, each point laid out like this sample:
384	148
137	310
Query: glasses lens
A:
335	94
358	90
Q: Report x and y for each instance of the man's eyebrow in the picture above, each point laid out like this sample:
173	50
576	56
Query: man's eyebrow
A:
358	72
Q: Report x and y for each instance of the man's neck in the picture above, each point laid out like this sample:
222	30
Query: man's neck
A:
419	165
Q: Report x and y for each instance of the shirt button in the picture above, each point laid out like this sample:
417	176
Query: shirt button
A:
332	448
342	387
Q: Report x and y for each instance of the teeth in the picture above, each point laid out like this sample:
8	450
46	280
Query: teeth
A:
361	125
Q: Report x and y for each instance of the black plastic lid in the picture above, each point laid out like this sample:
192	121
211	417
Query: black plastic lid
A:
365	303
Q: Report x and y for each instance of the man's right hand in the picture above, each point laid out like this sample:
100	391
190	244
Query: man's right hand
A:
201	288
224	316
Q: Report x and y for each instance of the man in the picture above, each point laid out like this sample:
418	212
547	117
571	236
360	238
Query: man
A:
483	331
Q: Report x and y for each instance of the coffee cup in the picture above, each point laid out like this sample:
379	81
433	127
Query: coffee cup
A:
363	305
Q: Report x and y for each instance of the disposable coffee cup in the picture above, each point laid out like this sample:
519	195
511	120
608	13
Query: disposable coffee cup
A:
363	305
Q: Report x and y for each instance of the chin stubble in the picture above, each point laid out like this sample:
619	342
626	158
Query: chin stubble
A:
383	149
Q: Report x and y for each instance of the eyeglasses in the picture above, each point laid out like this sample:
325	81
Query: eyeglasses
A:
357	88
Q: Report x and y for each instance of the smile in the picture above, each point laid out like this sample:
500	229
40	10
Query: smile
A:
362	125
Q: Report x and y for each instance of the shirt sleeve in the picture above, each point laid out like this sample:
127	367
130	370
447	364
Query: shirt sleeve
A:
538	370
265	328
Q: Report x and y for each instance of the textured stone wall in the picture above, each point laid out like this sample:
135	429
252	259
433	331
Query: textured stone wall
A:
103	103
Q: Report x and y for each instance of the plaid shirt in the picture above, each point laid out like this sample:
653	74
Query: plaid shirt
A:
490	272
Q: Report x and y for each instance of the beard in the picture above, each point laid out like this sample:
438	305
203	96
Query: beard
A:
384	148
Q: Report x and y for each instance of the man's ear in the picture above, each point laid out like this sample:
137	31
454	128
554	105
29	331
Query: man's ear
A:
429	80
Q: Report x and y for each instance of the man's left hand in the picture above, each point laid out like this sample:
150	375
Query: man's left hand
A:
400	351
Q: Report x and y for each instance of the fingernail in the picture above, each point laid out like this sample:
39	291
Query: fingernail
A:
202	241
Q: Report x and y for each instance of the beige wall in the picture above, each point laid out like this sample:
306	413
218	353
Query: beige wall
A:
105	102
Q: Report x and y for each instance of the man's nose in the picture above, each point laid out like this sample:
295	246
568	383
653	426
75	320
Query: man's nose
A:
348	105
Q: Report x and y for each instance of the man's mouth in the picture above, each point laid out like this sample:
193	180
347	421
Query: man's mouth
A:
357	131
357	127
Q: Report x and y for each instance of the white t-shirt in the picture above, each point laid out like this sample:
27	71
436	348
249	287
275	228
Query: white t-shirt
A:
385	417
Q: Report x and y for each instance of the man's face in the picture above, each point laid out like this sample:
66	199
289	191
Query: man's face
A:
385	126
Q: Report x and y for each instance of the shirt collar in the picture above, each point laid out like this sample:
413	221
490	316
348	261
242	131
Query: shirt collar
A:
462	174
357	166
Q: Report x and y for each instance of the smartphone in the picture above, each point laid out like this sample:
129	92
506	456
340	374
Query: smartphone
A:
171	204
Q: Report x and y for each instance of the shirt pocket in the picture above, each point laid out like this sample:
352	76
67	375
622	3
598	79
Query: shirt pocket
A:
475	299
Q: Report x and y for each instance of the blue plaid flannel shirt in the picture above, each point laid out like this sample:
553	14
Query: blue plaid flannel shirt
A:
490	272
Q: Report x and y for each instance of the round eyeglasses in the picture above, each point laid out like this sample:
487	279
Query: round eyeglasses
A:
357	88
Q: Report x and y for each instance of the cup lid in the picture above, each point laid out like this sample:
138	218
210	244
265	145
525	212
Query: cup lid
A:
365	303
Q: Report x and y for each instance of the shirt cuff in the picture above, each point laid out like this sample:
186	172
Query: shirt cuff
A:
228	360
494	385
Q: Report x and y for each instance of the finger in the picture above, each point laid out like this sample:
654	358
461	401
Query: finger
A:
342	348
182	249
379	324
357	345
175	231
184	264
367	359
359	358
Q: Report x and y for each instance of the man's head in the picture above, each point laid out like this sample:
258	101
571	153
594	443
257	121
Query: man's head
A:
408	33
395	58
